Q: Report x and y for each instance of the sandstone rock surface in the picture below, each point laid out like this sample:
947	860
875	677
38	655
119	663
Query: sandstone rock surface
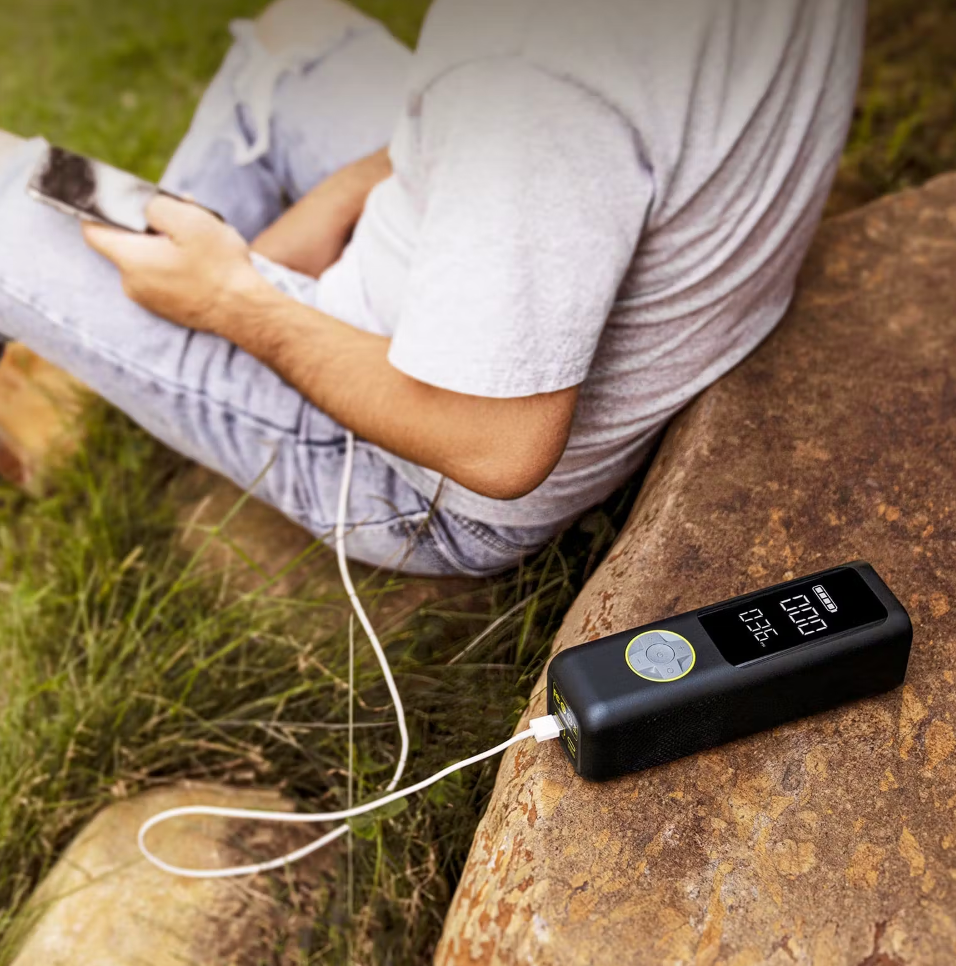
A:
39	405
830	841
104	905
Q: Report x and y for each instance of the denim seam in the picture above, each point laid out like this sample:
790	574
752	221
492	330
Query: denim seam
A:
453	560
489	537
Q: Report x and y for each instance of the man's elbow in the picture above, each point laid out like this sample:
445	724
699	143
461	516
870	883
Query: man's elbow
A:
512	454
510	476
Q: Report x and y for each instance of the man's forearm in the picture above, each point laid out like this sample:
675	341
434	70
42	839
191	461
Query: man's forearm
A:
195	271
311	235
481	443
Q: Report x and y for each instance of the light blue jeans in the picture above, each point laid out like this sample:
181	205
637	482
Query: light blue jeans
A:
198	393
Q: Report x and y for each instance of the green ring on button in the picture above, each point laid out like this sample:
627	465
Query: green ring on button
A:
627	656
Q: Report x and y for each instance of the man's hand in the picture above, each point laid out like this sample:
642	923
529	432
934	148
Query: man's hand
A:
189	274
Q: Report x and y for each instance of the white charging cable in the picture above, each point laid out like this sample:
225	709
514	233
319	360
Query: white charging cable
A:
541	729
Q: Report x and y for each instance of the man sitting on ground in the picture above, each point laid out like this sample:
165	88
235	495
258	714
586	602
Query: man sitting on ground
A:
586	214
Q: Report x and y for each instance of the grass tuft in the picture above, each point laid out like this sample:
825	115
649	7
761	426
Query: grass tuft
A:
904	132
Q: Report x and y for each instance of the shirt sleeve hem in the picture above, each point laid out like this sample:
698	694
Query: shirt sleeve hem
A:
503	387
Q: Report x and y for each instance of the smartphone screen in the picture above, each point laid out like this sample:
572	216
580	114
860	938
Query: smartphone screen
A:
92	190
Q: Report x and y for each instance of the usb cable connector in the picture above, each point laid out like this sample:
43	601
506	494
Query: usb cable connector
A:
546	728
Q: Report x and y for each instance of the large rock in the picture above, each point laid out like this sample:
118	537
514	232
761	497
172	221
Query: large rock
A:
39	406
105	905
830	841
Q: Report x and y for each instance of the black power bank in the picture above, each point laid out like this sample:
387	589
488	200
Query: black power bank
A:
659	692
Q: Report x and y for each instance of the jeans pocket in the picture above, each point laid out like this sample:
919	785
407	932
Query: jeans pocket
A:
480	550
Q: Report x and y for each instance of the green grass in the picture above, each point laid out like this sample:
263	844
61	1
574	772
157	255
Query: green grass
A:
132	668
124	668
120	78
116	79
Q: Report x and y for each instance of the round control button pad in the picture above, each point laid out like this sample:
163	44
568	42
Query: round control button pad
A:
660	656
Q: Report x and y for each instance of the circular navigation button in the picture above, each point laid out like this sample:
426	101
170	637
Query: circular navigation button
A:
660	654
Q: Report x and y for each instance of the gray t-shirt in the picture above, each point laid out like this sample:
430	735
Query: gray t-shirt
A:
615	193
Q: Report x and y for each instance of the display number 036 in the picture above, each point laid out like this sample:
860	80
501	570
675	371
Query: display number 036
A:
758	625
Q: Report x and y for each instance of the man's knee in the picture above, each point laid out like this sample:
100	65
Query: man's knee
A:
287	24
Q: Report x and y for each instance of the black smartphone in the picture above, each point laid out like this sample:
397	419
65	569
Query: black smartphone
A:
94	191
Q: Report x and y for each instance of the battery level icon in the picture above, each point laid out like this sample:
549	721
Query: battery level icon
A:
825	598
